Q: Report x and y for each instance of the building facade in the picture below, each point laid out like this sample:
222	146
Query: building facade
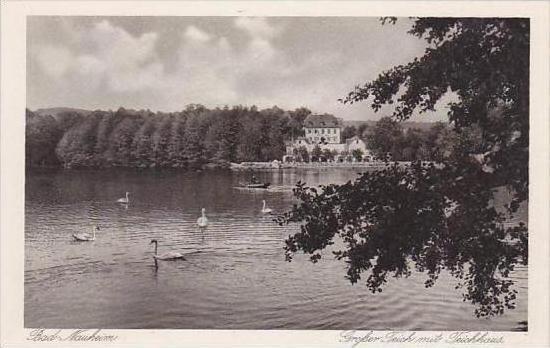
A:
322	129
322	142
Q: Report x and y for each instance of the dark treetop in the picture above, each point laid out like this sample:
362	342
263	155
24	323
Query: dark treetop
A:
443	215
187	139
197	137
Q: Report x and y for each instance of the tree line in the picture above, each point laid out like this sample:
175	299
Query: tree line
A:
192	138
388	139
198	136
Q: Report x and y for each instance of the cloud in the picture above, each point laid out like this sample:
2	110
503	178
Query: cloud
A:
55	61
195	34
123	62
254	62
213	70
261	32
126	62
256	27
119	47
261	50
147	77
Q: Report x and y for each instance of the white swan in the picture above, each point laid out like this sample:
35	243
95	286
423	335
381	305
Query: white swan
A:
86	237
202	221
266	210
171	255
124	200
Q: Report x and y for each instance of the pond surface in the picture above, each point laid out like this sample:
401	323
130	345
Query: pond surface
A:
235	276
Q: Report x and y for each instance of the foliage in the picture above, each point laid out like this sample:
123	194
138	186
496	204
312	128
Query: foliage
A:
197	136
42	134
188	139
357	154
328	155
296	122
303	154
485	62
444	215
348	132
316	153
385	138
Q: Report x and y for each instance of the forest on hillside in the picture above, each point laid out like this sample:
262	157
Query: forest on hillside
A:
198	137
191	138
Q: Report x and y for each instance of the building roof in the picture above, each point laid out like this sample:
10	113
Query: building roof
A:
353	138
297	141
322	121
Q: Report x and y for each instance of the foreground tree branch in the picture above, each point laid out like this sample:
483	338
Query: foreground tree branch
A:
438	216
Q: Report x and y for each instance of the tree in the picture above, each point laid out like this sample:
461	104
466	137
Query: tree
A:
160	141
250	138
296	122
303	154
175	153
328	155
444	216
122	136
104	129
316	153
42	135
345	155
272	140
357	155
362	129
385	138
348	132
77	146
142	143
192	148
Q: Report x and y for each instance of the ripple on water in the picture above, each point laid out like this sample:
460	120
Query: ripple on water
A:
235	275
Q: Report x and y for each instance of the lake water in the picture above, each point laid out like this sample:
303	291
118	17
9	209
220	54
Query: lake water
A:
235	276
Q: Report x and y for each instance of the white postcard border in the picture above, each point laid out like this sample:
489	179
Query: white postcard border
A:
13	83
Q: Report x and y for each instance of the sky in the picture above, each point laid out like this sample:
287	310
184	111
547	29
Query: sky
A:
166	63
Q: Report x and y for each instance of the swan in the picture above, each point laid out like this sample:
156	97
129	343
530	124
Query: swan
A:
202	221
86	237
266	210
124	200
171	255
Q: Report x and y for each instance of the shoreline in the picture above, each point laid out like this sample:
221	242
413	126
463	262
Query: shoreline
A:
275	165
314	165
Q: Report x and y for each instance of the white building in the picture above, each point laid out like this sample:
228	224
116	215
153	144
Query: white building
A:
324	131
355	143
